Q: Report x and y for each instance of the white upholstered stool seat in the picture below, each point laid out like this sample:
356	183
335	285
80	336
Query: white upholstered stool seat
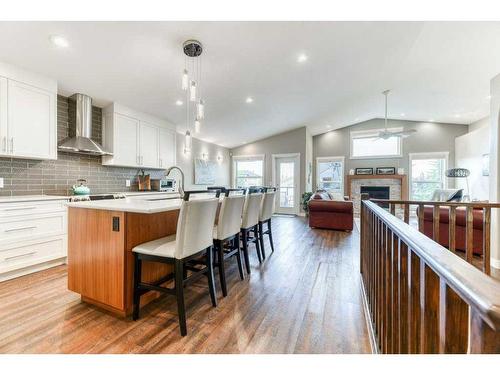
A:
163	247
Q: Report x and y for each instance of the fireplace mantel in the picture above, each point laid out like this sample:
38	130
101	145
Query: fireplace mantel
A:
402	177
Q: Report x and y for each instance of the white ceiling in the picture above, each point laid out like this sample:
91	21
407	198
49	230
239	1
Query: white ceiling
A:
436	70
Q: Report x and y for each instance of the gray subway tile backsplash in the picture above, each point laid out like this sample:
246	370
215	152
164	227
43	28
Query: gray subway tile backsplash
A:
56	177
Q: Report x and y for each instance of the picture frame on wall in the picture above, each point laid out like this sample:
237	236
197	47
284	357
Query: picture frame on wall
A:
364	171
386	170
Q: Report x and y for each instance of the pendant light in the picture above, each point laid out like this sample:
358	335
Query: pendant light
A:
200	110
185	80
187	142
191	78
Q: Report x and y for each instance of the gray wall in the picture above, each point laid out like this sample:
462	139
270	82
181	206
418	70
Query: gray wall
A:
29	177
430	137
198	148
293	141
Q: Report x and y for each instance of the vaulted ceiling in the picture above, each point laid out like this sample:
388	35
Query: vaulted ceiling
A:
436	70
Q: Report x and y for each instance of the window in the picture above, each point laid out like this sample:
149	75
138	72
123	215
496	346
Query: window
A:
330	173
366	144
248	171
427	173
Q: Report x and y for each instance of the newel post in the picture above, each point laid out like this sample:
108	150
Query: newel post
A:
363	231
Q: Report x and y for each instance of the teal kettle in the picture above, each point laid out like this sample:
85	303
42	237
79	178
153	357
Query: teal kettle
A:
81	188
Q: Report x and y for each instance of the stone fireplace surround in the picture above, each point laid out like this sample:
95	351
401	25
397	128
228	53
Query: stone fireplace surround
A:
397	187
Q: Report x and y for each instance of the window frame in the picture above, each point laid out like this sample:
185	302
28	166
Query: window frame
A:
423	156
236	158
320	159
371	133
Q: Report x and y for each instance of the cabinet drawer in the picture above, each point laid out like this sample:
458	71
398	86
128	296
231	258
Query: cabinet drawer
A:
20	256
16	228
30	208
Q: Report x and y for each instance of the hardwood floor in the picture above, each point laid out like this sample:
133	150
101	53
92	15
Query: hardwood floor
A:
305	298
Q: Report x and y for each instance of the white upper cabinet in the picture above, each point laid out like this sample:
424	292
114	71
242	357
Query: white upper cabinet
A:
28	114
3	116
126	143
167	144
148	138
137	139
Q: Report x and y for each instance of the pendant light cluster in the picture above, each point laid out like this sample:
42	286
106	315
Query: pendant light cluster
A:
191	84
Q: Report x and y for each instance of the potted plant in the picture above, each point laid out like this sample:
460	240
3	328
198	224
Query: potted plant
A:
305	201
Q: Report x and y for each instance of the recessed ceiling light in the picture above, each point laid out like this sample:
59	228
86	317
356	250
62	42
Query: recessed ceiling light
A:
403	114
431	120
302	58
249	100
328	126
457	116
59	41
179	102
488	97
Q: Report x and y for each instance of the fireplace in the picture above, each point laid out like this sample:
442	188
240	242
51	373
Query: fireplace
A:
377	192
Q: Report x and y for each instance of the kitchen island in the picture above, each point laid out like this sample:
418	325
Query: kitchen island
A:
101	235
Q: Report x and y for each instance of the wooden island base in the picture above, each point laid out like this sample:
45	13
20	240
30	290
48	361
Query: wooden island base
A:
100	260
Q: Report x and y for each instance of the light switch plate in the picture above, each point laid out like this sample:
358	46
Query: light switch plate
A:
127	183
1	182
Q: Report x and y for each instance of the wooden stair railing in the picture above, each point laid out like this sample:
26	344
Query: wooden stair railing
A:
482	262
420	297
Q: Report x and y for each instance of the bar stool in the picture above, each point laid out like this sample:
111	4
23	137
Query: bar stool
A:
249	225
193	239
227	235
265	214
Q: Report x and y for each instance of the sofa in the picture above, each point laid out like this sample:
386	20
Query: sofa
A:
460	224
328	211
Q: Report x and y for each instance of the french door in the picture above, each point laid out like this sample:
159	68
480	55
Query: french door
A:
286	179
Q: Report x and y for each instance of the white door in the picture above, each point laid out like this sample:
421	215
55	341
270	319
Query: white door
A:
167	148
31	121
148	139
3	116
126	142
286	177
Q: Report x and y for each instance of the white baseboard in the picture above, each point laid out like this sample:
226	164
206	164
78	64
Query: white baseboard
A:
303	214
495	263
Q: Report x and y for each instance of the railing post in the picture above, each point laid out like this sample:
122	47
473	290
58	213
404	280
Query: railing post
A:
453	321
486	239
482	339
413	302
429	310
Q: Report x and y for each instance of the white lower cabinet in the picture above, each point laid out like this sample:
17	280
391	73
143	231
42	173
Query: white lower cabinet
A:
33	236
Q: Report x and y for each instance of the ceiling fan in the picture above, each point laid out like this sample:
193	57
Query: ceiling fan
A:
386	134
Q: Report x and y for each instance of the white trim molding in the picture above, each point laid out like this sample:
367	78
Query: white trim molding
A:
235	158
372	133
427	155
296	156
327	158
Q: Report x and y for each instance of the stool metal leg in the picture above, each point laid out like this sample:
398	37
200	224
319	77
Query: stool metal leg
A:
137	280
179	292
270	235
211	279
244	242
222	270
261	240
236	244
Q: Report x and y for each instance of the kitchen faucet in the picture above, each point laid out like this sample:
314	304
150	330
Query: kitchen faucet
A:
167	172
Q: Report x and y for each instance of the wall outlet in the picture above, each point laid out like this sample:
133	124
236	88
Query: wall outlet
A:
1	182
127	183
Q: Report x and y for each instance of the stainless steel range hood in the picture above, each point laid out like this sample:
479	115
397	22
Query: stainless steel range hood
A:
80	126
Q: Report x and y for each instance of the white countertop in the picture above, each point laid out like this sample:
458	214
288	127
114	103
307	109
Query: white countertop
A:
32	198
130	205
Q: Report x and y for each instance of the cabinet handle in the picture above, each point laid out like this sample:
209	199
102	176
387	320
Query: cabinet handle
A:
21	228
20	208
21	255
